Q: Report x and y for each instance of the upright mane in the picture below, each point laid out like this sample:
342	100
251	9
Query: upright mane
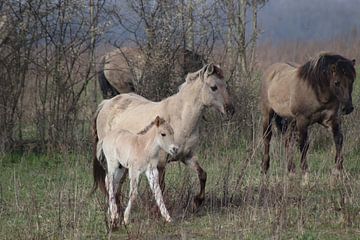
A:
194	75
148	127
317	71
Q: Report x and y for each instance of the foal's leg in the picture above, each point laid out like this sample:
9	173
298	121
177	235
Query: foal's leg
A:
161	170
302	127
267	133
112	203
152	175
134	179
193	164
338	139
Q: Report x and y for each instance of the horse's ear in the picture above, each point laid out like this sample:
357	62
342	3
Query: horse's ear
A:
333	68
210	69
157	121
353	62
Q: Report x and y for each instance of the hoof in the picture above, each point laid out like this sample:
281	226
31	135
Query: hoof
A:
335	177
155	211
305	179
125	222
292	174
169	220
114	224
336	172
196	203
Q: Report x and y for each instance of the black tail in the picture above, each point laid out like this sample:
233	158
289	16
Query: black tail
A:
98	169
281	123
107	90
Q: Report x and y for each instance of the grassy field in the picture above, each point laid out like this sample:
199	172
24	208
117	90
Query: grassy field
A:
46	197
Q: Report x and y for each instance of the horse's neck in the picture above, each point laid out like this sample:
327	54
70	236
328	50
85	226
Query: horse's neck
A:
185	108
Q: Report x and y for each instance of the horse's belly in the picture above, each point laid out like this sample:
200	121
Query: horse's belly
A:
281	105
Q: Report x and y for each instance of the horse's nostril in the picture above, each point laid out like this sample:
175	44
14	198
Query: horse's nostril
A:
351	109
175	149
348	110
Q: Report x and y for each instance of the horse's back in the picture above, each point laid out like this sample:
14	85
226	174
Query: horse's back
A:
118	146
125	111
120	68
278	83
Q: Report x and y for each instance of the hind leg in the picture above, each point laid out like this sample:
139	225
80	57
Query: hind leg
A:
267	133
134	180
120	177
302	127
289	148
110	185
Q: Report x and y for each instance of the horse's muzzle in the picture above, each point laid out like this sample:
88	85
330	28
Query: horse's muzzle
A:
230	110
347	108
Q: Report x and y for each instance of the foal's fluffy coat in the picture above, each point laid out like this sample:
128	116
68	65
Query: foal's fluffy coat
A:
139	153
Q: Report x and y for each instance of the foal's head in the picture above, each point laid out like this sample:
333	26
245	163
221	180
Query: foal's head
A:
165	136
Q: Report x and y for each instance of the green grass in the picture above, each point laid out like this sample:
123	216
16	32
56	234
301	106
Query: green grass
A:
46	197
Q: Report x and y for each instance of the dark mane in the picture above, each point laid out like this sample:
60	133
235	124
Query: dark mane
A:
219	72
317	71
148	127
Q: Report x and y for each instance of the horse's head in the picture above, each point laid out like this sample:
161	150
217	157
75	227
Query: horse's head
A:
165	136
341	83
214	91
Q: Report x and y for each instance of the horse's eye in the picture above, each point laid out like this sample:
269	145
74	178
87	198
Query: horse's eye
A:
163	134
214	88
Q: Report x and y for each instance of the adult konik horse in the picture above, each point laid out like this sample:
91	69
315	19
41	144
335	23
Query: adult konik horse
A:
183	111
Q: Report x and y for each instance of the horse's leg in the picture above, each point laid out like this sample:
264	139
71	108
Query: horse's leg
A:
152	175
302	127
161	170
120	176
338	140
267	133
134	179
289	146
193	164
112	203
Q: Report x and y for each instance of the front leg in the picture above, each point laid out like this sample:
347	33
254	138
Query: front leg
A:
152	175
193	164
338	140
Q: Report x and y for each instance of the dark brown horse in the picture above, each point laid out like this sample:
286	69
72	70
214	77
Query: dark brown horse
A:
299	96
122	67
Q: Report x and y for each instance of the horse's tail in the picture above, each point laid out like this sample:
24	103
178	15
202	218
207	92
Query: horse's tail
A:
99	172
281	123
108	91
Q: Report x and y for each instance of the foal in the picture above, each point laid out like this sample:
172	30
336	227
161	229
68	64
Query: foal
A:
138	153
